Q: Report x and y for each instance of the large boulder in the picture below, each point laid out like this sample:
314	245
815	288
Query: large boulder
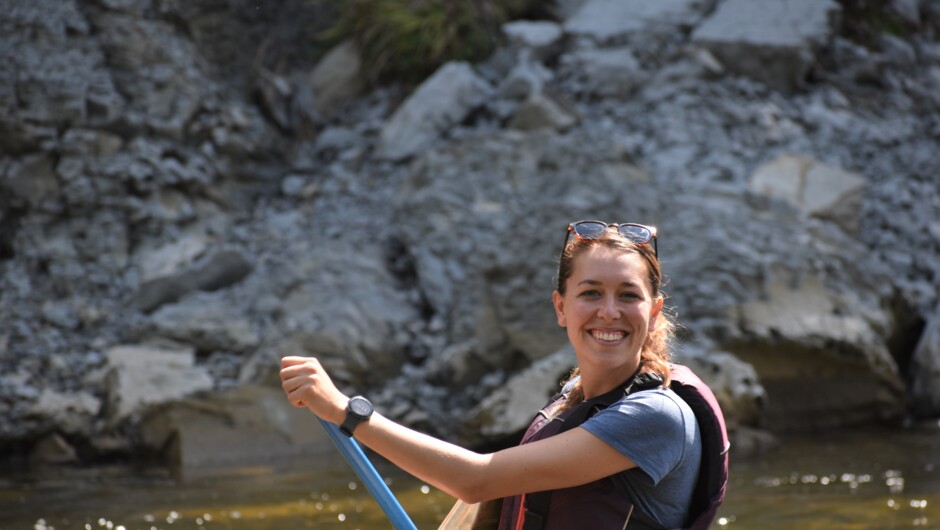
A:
337	78
542	110
52	449
602	72
194	261
815	188
925	370
505	413
772	41
250	424
543	38
813	354
616	20
736	385
805	304
442	101
143	376
208	322
336	300
71	412
508	410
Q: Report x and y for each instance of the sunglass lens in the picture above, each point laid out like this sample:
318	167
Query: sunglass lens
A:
589	229
637	234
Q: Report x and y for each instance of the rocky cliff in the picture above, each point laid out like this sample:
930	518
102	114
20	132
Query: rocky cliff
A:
184	198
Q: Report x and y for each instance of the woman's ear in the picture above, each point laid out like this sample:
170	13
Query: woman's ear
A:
655	310
558	300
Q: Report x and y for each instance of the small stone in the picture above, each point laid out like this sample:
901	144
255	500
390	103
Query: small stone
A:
53	449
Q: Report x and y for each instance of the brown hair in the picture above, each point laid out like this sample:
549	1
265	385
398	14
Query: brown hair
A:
654	355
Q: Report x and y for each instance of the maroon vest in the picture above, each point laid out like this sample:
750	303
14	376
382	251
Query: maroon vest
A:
601	504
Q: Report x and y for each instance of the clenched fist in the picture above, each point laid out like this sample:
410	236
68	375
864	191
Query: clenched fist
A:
307	385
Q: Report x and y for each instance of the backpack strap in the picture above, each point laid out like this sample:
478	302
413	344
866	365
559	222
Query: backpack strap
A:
712	480
536	505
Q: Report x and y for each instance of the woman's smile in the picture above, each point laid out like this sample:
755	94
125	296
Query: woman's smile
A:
608	309
611	336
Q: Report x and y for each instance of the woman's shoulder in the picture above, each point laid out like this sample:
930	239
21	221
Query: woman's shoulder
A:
655	395
661	405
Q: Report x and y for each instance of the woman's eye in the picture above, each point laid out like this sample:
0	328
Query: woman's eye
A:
590	293
629	296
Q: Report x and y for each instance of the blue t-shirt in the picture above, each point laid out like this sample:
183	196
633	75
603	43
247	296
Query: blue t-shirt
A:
657	430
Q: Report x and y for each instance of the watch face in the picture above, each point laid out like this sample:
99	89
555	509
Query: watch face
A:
360	407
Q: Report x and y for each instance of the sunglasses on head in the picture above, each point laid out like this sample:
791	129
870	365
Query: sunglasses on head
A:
637	233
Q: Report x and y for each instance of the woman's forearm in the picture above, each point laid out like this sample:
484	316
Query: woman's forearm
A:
556	462
456	471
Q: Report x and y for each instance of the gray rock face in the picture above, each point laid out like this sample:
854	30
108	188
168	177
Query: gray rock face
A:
162	70
159	182
473	275
53	71
341	306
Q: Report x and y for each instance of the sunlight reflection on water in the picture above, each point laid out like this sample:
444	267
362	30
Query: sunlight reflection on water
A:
864	481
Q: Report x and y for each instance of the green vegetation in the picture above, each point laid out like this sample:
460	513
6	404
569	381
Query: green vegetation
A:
406	40
864	20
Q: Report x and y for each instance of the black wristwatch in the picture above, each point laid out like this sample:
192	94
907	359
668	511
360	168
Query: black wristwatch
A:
358	411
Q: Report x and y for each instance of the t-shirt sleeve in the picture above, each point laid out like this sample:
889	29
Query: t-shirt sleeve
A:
647	427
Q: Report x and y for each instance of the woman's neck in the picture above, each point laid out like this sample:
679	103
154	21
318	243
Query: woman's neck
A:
597	382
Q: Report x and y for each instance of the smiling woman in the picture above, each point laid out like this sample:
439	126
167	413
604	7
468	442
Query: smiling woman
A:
624	256
630	453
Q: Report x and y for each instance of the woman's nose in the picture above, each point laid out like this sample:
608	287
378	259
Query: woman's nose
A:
609	309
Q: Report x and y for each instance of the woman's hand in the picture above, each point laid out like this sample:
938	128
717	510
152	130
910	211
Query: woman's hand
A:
307	385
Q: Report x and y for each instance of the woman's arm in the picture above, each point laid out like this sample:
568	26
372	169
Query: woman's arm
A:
568	459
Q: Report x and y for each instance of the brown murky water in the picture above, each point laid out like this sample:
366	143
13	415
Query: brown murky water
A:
857	481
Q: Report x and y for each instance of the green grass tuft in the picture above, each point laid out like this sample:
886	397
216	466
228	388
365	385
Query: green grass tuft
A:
406	40
863	21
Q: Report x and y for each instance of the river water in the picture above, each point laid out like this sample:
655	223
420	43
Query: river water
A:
860	481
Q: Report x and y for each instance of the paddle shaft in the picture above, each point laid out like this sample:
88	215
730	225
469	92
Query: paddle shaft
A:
368	475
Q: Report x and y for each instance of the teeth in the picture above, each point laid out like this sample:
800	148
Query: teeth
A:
610	336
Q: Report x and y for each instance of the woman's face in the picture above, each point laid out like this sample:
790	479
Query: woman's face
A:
608	309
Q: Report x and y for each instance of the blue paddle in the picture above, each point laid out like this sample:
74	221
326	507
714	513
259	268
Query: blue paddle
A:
367	474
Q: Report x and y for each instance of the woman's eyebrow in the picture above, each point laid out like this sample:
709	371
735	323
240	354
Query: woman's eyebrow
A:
590	281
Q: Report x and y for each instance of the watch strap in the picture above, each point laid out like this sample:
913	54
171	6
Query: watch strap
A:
353	419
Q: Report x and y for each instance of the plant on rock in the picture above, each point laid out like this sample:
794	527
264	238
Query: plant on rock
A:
407	40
